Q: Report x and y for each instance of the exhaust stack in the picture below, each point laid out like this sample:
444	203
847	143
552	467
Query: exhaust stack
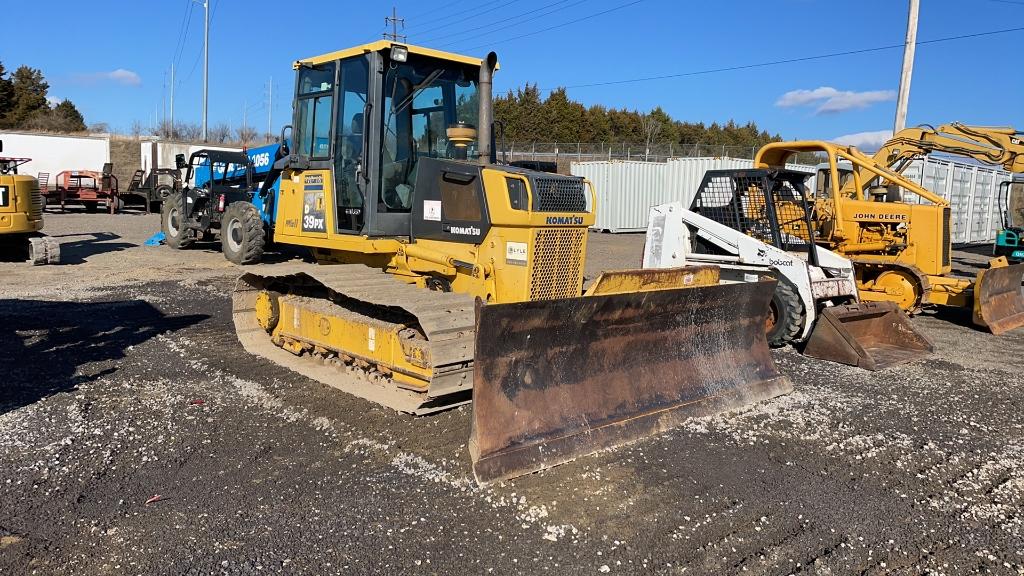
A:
486	112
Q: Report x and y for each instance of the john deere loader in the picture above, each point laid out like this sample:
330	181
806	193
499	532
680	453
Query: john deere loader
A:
452	278
21	216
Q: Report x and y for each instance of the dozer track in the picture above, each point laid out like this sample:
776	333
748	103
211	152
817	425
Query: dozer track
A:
437	330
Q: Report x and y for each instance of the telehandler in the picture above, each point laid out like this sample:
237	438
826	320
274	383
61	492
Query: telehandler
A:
21	216
452	278
902	251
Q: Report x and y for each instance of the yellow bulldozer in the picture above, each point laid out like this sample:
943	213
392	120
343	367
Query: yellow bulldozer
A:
446	277
21	216
902	251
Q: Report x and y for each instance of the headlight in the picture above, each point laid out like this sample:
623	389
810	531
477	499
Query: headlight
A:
399	53
838	272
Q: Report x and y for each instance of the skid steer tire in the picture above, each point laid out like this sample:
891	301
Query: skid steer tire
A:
241	234
787	317
172	222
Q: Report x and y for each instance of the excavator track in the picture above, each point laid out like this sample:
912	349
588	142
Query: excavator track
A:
438	328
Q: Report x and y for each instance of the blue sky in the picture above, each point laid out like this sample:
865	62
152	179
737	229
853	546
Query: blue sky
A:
114	64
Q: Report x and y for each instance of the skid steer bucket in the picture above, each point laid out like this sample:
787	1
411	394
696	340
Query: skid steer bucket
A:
998	299
869	335
557	379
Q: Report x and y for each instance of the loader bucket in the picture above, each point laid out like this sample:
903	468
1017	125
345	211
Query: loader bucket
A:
557	379
869	335
998	300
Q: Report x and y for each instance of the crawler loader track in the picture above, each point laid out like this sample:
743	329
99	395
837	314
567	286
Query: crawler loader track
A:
443	323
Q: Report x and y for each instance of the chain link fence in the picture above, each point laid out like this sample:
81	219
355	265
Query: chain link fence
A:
563	154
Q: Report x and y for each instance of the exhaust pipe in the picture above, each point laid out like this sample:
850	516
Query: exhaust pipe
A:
486	112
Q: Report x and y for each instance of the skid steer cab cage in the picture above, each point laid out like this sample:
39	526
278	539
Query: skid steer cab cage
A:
769	205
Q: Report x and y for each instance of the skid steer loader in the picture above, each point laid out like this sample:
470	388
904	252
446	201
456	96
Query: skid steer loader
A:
755	223
453	278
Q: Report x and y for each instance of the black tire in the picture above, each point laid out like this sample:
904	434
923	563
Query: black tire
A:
172	224
241	234
787	315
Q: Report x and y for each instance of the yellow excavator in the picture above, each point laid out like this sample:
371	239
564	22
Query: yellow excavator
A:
21	216
902	251
444	277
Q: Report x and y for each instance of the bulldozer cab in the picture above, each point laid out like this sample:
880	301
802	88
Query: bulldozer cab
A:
772	206
370	132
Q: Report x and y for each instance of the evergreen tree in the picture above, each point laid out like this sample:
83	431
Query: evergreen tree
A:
28	89
529	118
6	94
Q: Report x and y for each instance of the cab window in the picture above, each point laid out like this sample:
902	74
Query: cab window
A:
314	108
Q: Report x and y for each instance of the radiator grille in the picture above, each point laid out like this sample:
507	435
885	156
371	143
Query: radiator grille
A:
557	263
35	211
946	240
560	194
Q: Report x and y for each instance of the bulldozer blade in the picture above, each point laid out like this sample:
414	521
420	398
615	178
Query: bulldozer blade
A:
998	298
558	379
869	335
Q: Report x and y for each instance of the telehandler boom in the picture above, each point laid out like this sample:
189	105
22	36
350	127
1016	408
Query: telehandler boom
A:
453	278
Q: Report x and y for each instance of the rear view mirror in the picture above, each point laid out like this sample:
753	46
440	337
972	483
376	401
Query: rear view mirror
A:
179	161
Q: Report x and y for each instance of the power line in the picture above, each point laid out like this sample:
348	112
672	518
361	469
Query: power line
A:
471	16
508	22
179	45
433	10
446	16
556	26
213	12
789	60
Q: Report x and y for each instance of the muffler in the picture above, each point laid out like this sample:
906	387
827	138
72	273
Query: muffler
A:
558	379
869	335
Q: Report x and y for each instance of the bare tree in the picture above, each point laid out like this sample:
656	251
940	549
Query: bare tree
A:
136	129
189	132
651	127
219	134
247	135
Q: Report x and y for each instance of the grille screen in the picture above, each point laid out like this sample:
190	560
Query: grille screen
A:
740	201
560	194
36	211
946	241
557	263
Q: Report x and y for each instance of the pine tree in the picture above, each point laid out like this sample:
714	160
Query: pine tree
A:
28	96
6	95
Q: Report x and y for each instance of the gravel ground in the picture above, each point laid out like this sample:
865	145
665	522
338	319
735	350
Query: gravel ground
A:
136	437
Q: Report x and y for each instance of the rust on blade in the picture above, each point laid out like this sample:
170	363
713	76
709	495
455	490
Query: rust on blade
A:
869	335
558	379
998	299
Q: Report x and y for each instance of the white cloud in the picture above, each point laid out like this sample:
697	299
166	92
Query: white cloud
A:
870	141
830	101
53	100
119	76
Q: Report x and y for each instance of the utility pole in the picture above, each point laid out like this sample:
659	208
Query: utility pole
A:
172	99
270	109
908	67
163	101
394	21
206	63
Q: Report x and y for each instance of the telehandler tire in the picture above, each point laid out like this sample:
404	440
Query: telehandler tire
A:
787	317
241	234
172	223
